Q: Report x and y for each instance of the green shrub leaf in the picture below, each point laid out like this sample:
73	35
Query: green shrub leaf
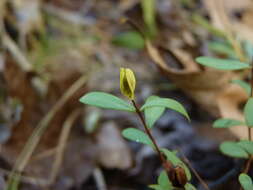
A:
106	101
248	112
248	46
137	136
130	39
172	157
222	48
152	114
189	186
166	103
233	149
245	181
222	64
226	123
243	84
203	22
163	181
246	145
156	187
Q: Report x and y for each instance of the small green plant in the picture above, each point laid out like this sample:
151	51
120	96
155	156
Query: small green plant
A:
176	174
244	148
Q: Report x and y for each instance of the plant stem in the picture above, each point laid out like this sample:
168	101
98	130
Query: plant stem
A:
248	164
246	170
187	161
167	165
251	80
249	134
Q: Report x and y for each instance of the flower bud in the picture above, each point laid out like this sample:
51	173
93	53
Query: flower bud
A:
127	82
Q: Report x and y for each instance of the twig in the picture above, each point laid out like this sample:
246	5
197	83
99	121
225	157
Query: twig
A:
167	165
11	46
187	161
44	154
68	16
228	175
249	134
247	168
62	144
248	164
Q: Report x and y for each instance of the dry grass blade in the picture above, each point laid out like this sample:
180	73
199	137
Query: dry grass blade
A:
99	178
11	46
62	144
33	141
68	16
27	179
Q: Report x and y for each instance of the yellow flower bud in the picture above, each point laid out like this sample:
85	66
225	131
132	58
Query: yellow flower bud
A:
127	82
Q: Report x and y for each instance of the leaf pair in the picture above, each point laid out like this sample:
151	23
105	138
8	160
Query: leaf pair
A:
153	108
227	123
156	105
241	149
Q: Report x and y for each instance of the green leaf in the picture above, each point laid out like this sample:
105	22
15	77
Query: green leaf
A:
164	182
245	181
189	186
130	39
172	157
222	64
157	187
137	136
152	114
233	149
248	112
222	48
226	123
166	103
149	11
202	21
248	47
106	101
246	145
243	84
